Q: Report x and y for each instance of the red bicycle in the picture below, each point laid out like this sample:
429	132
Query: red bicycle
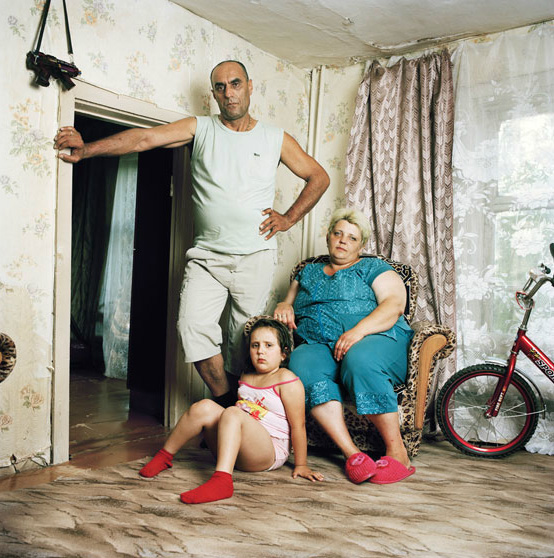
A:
491	409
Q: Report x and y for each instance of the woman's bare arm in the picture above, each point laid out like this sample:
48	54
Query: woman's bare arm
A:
284	312
390	292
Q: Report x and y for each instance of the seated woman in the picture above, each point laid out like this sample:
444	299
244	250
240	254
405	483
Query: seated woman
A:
349	316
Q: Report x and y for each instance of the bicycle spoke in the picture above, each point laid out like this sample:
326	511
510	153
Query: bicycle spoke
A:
464	402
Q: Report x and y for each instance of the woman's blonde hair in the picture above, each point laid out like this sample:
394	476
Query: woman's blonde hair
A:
352	216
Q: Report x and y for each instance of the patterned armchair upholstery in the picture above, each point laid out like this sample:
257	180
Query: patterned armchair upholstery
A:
430	343
7	356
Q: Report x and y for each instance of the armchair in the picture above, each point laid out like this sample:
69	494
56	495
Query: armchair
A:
430	343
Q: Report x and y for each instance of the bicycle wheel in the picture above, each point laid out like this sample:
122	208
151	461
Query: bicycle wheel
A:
461	406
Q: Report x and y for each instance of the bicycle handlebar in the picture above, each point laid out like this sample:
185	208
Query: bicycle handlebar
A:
535	282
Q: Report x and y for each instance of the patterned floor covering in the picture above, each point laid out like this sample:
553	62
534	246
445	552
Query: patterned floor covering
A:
453	507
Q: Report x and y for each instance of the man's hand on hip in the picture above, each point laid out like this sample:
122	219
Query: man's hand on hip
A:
274	223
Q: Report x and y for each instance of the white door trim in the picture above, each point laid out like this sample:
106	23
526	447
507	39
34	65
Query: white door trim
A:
94	101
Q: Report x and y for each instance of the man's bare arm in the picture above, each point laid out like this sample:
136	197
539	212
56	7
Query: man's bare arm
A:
129	141
317	181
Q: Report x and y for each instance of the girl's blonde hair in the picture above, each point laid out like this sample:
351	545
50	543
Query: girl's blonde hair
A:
352	216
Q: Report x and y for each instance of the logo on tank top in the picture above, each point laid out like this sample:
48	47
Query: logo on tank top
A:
255	410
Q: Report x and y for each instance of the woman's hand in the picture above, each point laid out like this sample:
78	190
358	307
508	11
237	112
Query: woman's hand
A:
284	312
345	341
306	473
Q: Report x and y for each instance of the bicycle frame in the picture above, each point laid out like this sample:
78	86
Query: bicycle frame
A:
525	345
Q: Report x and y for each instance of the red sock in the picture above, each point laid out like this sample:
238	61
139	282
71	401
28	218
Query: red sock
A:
219	487
161	461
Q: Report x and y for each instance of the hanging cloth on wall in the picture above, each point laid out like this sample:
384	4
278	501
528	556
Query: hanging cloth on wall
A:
46	65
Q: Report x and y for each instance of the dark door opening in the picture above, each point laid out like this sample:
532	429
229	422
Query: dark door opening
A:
147	338
95	399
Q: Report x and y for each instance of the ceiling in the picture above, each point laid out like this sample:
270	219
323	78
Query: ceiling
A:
309	33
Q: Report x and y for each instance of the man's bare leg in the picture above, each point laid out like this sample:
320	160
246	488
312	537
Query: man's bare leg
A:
211	370
213	373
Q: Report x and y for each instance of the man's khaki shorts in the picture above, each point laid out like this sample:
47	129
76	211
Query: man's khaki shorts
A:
211	279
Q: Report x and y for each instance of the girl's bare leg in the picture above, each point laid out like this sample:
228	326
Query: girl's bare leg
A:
202	416
241	441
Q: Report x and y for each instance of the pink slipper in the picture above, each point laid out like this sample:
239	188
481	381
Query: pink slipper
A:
360	467
390	470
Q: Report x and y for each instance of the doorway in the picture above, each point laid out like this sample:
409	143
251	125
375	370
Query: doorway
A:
176	380
121	222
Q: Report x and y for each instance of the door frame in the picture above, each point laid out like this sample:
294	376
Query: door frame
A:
90	100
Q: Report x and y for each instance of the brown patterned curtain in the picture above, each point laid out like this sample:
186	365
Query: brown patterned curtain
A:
398	172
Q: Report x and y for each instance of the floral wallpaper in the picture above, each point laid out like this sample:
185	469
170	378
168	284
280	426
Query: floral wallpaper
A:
340	85
332	134
154	51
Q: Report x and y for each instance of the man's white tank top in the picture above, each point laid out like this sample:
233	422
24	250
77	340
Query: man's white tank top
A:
233	177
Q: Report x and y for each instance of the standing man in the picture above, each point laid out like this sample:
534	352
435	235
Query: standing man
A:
233	164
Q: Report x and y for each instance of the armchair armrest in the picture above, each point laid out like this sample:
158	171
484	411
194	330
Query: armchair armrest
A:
430	343
423	330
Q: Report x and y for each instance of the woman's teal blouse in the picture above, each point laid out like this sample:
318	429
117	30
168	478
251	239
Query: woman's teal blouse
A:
327	306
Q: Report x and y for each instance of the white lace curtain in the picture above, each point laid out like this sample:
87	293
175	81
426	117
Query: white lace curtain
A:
115	299
503	172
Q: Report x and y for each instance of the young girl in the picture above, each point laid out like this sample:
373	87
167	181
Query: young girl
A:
256	434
